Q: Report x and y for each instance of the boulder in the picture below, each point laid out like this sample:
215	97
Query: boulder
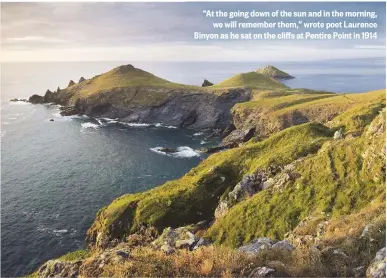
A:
283	245
248	186
81	79
222	209
339	134
57	268
262	271
238	136
201	242
206	83
257	245
377	268
71	83
179	238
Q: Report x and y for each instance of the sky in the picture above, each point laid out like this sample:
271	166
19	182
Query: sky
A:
164	32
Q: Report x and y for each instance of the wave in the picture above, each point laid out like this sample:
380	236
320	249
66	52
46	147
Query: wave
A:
20	102
198	134
181	152
89	125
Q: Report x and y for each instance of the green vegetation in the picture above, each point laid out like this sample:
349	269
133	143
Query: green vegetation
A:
338	180
75	256
194	197
251	79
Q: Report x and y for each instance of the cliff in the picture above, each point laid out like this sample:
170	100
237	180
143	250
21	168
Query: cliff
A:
304	196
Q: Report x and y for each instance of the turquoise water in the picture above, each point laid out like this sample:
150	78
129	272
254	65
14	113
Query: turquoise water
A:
56	175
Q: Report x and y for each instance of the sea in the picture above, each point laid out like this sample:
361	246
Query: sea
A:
56	175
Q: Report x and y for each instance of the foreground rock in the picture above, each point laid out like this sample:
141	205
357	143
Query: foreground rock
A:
377	268
57	268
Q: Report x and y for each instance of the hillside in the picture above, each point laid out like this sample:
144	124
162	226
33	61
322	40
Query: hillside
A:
275	73
250	79
311	195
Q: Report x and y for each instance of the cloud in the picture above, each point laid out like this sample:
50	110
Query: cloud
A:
34	39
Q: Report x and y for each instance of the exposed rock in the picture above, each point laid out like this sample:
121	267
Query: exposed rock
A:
377	268
257	245
222	209
248	186
167	249
369	232
179	238
262	271
71	83
51	120
81	79
201	242
57	268
58	90
69	111
238	136
206	83
283	245
230	128
19	99
339	134
36	99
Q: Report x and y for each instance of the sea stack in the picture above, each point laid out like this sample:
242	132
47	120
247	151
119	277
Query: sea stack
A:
275	73
206	83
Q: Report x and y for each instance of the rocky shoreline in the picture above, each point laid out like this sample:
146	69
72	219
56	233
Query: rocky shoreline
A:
297	187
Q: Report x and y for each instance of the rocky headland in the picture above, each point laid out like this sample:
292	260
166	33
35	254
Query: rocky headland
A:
297	190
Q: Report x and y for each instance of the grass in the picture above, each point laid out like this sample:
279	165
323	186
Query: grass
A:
194	197
75	255
338	180
250	79
271	111
273	72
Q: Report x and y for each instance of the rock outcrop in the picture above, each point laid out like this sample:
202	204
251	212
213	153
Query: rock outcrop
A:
206	83
275	73
71	83
377	268
81	79
264	244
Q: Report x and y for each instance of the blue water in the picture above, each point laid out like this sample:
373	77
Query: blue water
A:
56	175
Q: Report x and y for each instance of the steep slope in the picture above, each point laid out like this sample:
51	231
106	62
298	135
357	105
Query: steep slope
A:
134	95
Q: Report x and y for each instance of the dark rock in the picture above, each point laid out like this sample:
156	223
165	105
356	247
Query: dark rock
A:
230	128
51	120
58	89
238	136
19	99
122	254
201	242
206	83
36	99
359	271
69	111
167	150
71	83
81	79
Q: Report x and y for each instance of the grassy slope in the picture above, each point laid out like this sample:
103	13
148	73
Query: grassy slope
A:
273	110
339	180
194	197
250	79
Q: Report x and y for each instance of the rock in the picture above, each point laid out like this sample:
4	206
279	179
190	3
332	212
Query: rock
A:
283	245
206	83
222	209
248	186
201	242
369	232
229	128
36	99
257	245
377	268
51	120
81	79
167	249
57	268
69	111
71	83
123	254
238	136
168	150
179	238
58	89
262	271
331	254
19	99
212	149
339	134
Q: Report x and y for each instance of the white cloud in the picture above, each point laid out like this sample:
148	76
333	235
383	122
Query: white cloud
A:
28	39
